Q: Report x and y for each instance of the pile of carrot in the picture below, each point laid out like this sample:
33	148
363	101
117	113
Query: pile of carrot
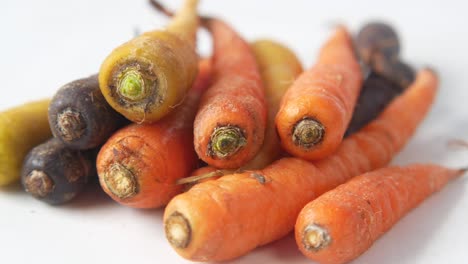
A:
242	147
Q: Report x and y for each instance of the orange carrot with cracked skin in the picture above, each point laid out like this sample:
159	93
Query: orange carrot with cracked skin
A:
230	124
226	218
317	108
140	164
366	207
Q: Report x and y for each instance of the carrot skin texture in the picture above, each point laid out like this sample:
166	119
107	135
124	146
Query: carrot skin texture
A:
279	67
80	117
254	213
21	129
327	94
154	156
367	207
236	100
146	77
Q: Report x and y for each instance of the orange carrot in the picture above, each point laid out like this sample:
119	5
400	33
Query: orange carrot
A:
230	124
226	218
317	108
140	164
279	67
343	223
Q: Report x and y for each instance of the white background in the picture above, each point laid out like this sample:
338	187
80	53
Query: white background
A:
45	44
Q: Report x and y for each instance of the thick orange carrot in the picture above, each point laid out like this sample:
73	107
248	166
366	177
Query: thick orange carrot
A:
230	125
365	207
317	108
226	218
140	164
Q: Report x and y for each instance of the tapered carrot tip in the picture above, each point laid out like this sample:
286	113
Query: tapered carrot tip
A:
315	238
121	181
226	141
178	230
38	184
308	133
71	124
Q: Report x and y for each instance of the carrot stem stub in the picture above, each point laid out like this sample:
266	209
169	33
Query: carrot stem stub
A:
308	132
225	141
121	181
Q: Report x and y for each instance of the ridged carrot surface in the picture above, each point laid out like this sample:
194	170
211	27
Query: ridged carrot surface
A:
230	125
226	218
140	164
343	223
316	110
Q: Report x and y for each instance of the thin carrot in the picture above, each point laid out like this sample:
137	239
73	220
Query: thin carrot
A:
279	67
229	128
226	218
140	163
230	124
317	108
365	207
145	78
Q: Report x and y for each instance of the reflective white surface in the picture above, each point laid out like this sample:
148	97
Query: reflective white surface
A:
46	44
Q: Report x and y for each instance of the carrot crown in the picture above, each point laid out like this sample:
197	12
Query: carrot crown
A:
308	133
315	237
70	124
38	184
225	141
121	181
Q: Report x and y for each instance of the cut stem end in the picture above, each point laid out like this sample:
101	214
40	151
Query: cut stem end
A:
132	85
178	230
38	184
121	181
308	133
226	141
315	238
71	124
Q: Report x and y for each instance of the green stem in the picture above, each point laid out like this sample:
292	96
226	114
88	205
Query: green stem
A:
308	133
226	141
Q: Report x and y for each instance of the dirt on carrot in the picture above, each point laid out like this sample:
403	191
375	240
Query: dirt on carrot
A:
226	218
147	77
140	164
316	110
367	207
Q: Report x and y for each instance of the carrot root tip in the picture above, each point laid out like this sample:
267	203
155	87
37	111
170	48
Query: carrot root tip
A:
39	184
70	124
178	230
308	133
315	237
121	181
226	141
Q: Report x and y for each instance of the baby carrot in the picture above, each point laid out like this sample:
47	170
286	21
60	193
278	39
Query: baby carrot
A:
21	129
366	207
279	67
139	164
317	108
145	78
226	218
230	124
